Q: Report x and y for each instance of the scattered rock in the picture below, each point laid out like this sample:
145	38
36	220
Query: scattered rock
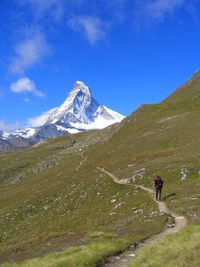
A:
171	225
138	174
132	255
184	172
138	211
119	205
135	245
134	209
124	181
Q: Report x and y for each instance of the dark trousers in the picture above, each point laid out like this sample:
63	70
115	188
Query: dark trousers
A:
158	193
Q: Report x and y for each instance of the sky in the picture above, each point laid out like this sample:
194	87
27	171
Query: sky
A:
129	52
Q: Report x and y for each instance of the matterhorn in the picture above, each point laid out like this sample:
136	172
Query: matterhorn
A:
79	112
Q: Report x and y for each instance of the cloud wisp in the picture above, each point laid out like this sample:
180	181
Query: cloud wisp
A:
159	8
156	10
25	85
29	52
40	120
10	126
92	27
51	8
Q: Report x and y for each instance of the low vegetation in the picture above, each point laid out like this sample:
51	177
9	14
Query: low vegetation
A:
87	256
50	202
53	205
180	250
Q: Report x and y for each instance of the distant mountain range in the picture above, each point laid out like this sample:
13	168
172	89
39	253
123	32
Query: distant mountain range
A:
79	112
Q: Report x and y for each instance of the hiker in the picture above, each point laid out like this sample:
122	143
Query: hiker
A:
158	184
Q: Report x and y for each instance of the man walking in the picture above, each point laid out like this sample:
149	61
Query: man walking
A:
158	184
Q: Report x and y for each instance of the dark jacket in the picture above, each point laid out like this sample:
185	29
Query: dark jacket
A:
158	182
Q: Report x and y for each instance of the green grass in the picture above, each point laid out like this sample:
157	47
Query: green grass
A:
46	205
176	250
59	207
87	256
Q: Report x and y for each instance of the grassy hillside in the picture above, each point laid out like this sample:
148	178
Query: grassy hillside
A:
180	250
49	201
161	139
52	196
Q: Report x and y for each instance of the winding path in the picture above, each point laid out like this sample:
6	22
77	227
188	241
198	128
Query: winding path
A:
81	162
124	259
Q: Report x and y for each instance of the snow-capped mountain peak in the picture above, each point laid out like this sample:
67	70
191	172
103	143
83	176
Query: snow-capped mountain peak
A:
79	112
77	102
78	88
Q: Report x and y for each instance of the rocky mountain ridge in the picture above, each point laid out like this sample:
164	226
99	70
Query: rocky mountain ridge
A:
79	112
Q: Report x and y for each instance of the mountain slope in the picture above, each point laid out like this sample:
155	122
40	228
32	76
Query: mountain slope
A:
6	146
162	139
56	197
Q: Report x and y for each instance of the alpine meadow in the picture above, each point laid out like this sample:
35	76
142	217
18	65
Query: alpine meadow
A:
58	208
99	133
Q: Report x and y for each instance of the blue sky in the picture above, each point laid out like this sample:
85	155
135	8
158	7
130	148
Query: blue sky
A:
128	52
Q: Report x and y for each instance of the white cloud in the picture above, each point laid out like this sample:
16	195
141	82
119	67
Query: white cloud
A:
157	9
92	27
10	126
51	8
29	52
40	120
25	85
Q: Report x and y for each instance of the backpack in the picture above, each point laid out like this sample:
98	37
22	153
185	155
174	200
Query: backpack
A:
158	183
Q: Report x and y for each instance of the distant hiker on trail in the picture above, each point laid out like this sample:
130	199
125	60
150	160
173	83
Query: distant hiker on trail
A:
158	184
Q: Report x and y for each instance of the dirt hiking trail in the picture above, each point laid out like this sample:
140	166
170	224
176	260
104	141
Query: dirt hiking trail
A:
81	162
127	257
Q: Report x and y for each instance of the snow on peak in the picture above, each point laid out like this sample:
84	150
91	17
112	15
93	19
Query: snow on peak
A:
80	83
80	111
26	133
78	101
80	86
